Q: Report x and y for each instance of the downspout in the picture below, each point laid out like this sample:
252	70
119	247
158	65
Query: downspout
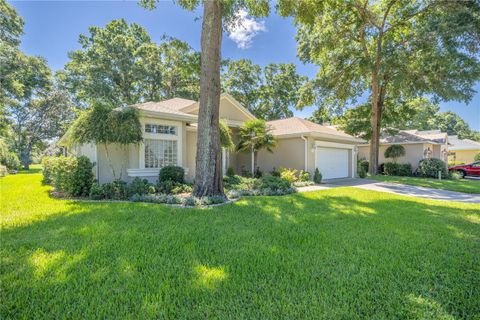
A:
306	152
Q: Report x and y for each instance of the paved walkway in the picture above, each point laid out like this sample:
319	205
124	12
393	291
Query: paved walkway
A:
402	189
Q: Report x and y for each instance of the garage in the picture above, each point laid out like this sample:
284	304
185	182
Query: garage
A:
332	162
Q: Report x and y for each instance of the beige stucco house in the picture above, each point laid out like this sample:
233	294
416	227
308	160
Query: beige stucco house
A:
170	138
462	151
418	145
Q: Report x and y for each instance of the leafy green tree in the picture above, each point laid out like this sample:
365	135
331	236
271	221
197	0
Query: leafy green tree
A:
11	25
226	136
171	69
394	151
243	80
270	93
216	16
390	49
103	125
418	113
255	135
280	91
452	124
120	65
321	115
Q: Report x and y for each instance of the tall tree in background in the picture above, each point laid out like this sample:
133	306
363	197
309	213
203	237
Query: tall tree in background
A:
418	113
391	49
216	15
270	93
32	109
120	65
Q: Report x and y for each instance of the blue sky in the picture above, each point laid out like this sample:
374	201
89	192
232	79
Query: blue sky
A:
52	29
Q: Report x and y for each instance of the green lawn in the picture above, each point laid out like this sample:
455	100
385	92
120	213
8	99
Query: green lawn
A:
461	185
340	253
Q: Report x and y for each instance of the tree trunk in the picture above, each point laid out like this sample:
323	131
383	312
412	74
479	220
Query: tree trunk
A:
25	157
376	121
375	125
208	173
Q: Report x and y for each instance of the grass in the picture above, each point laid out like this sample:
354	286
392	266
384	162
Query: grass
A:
339	253
461	185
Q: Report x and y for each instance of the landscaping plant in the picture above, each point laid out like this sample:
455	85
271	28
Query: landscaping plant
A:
317	176
431	166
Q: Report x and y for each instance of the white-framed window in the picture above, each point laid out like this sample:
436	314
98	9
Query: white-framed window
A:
160	153
160	129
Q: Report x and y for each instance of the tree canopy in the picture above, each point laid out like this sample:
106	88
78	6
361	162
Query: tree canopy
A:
120	65
418	113
269	93
390	49
33	109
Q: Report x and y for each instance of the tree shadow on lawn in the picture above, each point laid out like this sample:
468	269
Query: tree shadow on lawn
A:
313	255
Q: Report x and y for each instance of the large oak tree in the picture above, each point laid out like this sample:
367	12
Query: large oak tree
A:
217	15
390	49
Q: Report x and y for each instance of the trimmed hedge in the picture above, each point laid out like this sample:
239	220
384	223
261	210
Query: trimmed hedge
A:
171	173
397	169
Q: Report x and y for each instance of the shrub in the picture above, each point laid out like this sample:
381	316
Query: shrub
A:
71	175
271	185
258	174
288	174
171	173
431	166
397	169
182	188
364	164
96	192
47	169
239	183
361	170
454	175
11	161
166	186
115	190
317	176
275	172
230	172
477	157
303	176
81	178
140	187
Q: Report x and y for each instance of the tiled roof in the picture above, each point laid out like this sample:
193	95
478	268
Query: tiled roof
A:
294	125
462	144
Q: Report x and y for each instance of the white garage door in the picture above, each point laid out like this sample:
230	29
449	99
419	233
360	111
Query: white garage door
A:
332	162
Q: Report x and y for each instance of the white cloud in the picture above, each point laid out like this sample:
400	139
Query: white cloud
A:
245	29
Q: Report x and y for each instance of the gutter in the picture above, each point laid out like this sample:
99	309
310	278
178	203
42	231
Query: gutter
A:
306	151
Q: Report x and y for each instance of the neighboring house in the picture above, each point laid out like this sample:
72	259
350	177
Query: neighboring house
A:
170	138
418	145
462	151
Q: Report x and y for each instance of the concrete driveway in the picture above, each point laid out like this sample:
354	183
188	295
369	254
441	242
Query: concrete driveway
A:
402	189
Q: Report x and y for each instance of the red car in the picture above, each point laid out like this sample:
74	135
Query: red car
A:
472	169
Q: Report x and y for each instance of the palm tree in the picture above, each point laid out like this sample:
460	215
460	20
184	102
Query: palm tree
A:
255	135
